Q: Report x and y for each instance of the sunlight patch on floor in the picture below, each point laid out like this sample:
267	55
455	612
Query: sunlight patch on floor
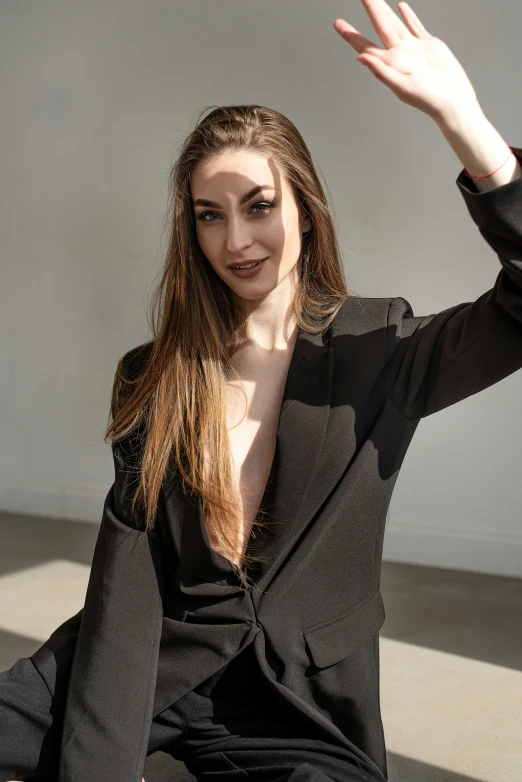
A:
36	600
464	714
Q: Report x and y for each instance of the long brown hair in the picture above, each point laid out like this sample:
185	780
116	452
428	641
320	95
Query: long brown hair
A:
172	389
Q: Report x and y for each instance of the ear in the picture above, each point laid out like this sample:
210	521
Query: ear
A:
304	221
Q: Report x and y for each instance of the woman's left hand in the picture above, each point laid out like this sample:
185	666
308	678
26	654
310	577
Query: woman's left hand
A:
418	67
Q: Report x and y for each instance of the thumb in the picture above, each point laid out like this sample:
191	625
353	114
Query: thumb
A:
389	76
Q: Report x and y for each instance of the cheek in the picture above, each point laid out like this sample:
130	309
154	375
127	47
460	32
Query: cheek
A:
208	247
285	236
291	241
202	238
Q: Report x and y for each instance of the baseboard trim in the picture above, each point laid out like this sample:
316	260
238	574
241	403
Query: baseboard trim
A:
473	551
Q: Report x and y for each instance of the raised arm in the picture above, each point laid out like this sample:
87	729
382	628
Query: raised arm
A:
422	71
437	360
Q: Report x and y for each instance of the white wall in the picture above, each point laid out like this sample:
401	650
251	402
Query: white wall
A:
95	98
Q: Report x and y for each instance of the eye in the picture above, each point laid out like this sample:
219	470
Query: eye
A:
267	204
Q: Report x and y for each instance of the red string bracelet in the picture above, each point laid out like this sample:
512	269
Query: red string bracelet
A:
493	172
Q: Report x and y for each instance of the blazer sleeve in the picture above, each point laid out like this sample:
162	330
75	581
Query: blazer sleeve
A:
437	360
108	652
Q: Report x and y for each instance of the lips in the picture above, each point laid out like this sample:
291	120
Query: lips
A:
245	263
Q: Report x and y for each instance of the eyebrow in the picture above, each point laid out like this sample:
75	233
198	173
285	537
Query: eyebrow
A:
251	193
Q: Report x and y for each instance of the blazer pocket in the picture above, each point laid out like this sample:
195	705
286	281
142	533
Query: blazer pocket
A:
339	637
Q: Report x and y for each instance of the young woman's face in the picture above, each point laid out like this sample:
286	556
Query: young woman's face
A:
267	225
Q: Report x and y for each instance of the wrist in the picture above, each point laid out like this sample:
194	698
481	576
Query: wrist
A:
457	119
479	147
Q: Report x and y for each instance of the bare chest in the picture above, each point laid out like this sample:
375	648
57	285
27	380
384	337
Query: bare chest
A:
252	428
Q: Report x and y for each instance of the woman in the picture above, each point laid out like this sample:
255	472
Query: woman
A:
233	610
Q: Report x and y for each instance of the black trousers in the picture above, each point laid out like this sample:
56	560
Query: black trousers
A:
227	728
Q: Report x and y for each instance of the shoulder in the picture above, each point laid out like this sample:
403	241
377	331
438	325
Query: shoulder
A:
360	315
130	368
134	362
378	320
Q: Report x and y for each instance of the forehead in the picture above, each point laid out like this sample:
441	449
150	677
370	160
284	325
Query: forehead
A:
234	173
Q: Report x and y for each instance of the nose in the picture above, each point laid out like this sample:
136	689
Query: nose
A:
238	236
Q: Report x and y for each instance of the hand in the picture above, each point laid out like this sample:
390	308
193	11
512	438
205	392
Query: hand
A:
419	68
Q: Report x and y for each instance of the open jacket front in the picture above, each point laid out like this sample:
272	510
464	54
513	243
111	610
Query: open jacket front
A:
164	612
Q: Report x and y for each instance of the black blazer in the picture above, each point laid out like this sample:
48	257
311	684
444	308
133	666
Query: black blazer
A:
164	612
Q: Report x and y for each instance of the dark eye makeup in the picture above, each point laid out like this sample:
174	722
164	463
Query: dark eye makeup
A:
268	204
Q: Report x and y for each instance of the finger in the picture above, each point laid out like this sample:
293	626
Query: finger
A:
355	39
390	29
392	78
413	21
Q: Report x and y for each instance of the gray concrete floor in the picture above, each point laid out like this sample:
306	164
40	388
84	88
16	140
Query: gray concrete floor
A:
451	652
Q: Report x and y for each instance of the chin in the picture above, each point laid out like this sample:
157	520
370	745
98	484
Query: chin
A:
253	295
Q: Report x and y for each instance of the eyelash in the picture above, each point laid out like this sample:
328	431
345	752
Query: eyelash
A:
269	204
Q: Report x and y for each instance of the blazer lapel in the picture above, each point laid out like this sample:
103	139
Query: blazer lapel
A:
293	492
317	437
314	443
